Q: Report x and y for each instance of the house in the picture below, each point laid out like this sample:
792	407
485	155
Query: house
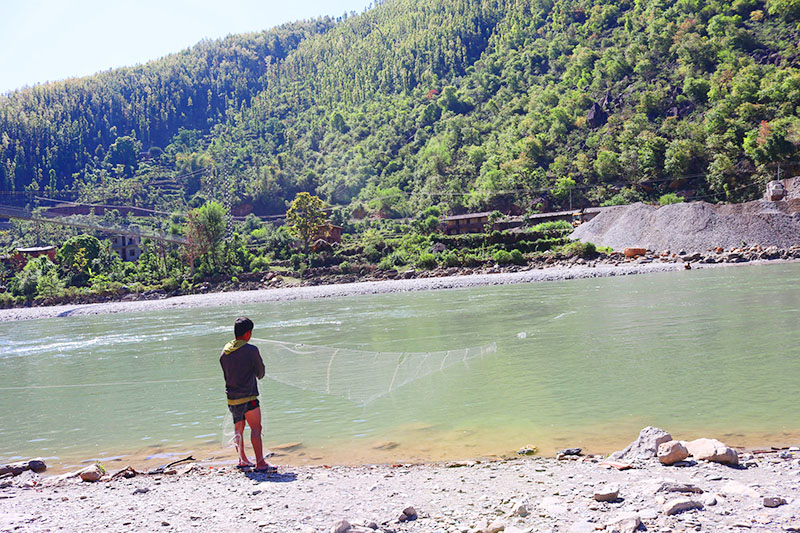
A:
469	223
329	232
129	247
22	255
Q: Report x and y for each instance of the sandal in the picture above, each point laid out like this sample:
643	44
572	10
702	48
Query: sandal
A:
267	470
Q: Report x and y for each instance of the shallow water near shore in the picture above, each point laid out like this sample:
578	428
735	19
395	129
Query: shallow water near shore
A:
578	363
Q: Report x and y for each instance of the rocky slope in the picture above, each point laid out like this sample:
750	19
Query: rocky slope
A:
695	226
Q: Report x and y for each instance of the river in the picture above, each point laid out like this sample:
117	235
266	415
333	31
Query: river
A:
585	363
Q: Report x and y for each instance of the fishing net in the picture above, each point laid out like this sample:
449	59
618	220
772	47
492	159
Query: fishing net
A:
359	376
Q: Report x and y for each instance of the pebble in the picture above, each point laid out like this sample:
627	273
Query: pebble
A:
609	493
343	526
520	510
495	527
681	505
773	501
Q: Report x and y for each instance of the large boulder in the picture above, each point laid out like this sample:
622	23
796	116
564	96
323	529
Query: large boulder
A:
712	450
671	452
644	447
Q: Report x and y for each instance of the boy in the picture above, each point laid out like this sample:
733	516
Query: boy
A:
242	365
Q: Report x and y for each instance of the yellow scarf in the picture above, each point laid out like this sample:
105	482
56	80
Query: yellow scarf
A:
233	345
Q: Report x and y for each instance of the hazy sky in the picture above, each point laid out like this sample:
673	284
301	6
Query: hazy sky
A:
48	40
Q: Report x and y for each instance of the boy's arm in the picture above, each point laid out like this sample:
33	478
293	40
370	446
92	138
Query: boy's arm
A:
260	370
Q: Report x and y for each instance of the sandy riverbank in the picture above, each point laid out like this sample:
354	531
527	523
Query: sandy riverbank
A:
528	494
531	275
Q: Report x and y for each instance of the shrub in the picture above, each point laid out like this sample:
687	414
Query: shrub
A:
344	267
517	258
397	258
450	259
297	260
556	226
170	284
579	249
502	257
259	263
40	275
669	198
372	254
426	261
471	260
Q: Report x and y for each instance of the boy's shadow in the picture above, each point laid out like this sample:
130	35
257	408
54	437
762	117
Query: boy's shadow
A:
264	477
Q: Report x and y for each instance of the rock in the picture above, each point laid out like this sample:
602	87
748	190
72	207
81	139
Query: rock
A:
92	473
495	527
409	513
582	527
343	526
681	505
634	252
773	501
527	450
15	469
648	514
617	465
553	506
669	486
624	523
645	446
142	490
739	489
609	493
520	510
709	500
596	116
671	452
569	451
712	450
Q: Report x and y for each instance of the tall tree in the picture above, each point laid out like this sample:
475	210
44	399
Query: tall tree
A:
306	217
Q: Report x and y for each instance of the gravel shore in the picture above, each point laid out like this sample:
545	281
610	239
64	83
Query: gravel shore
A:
526	494
332	291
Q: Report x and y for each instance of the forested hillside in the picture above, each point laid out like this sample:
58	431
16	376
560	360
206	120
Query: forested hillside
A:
463	104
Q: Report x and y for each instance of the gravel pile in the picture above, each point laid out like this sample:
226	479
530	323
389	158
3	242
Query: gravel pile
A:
695	226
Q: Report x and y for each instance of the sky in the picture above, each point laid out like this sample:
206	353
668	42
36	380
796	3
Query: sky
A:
49	40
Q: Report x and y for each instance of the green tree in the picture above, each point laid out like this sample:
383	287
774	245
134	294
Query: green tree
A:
125	152
205	233
39	277
563	188
76	256
305	217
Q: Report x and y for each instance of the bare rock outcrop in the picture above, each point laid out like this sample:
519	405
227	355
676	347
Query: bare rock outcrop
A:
644	447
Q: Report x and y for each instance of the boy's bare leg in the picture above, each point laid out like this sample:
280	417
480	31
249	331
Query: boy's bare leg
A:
253	417
238	441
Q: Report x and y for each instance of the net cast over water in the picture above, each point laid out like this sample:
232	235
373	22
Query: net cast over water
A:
359	376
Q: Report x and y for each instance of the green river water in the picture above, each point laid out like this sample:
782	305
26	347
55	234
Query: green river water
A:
712	352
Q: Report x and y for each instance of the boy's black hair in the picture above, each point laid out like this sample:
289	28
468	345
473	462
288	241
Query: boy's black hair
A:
242	326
